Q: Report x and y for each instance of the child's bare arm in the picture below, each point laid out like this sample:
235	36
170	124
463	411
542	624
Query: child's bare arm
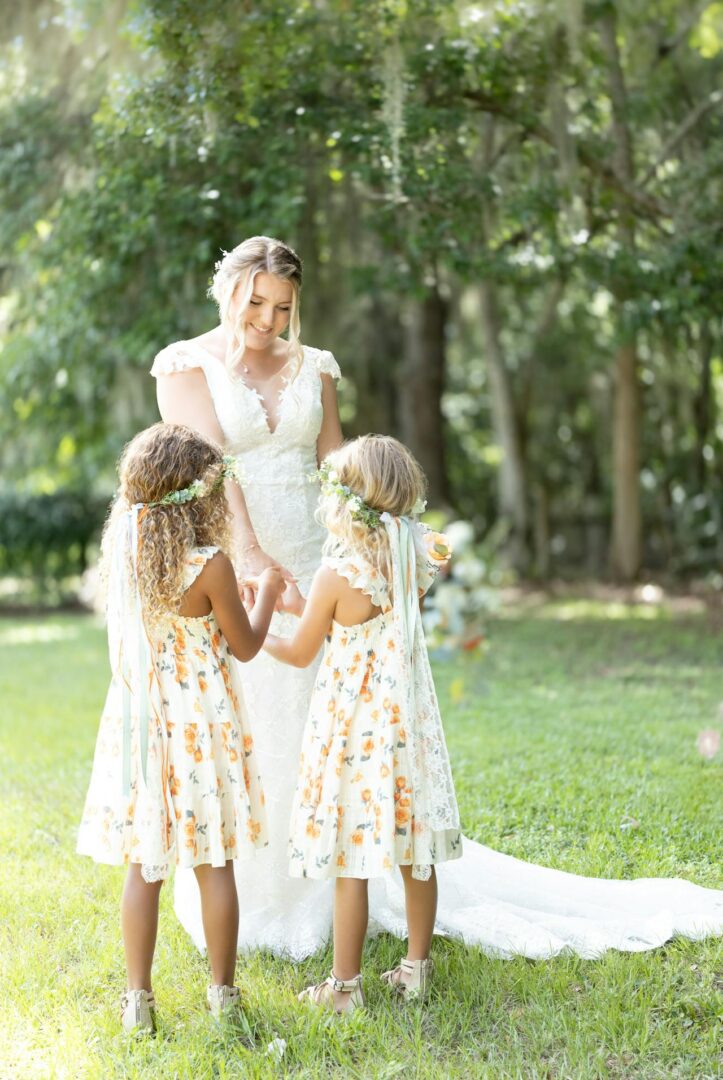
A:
245	634
314	623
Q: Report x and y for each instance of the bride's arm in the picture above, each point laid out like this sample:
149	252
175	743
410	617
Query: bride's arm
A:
184	398
330	435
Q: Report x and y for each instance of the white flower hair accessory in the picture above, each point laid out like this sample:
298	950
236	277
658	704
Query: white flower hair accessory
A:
332	485
231	470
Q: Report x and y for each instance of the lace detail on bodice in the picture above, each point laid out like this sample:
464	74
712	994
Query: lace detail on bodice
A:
362	576
240	408
276	464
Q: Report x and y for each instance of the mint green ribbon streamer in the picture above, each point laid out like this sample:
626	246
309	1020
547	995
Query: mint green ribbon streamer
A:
130	611
407	558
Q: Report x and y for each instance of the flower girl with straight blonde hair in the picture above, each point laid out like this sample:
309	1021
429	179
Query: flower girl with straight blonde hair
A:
374	786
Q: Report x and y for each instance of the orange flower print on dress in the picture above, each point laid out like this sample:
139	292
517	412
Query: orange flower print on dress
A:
189	757
357	791
174	784
227	733
189	833
179	651
365	693
190	733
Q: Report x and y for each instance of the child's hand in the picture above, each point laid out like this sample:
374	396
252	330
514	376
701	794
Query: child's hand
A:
291	600
247	589
272	580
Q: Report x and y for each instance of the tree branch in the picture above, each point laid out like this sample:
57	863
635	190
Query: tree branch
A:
645	204
681	132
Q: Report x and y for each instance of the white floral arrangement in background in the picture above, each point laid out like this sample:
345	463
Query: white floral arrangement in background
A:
454	613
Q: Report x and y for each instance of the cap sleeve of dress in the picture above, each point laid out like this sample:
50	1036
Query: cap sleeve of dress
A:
177	357
195	562
326	364
361	576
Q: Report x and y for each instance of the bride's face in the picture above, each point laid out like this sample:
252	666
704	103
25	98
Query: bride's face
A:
268	311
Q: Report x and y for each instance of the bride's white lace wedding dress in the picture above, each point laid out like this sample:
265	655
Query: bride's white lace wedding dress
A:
503	904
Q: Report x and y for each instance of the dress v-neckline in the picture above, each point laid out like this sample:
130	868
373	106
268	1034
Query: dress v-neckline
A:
258	397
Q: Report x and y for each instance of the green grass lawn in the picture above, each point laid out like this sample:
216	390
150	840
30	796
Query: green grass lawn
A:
580	717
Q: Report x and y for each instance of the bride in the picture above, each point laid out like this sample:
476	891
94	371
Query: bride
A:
271	401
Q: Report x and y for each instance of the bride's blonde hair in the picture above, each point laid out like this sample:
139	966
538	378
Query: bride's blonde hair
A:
387	477
237	271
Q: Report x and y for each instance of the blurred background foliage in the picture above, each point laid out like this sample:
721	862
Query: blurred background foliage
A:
510	219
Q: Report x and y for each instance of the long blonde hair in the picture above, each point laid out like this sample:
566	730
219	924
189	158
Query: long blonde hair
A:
237	270
387	477
159	460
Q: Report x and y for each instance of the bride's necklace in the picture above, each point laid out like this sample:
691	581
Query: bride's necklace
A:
247	371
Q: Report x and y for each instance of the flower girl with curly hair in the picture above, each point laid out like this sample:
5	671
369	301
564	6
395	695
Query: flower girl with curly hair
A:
174	777
374	787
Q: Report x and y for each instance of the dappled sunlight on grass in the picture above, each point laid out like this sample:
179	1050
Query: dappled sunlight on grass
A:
569	610
574	745
604	604
40	632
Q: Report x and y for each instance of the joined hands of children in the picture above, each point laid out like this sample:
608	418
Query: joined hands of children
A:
288	600
255	563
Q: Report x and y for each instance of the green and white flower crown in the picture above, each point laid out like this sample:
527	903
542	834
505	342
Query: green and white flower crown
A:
230	470
328	477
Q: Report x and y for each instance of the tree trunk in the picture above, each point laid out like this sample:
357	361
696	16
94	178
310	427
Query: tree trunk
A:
702	405
626	525
511	477
541	532
626	540
420	387
380	344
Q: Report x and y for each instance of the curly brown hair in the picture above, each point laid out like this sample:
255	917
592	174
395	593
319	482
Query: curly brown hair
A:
159	460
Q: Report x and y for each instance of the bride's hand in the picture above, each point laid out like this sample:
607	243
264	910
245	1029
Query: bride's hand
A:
254	564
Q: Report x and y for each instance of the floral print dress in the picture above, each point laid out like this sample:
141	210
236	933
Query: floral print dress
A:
201	800
353	813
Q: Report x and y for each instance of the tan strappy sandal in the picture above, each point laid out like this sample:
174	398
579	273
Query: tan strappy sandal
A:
223	1000
138	1011
322	994
410	979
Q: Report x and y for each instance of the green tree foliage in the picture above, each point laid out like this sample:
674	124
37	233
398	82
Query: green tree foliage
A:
455	178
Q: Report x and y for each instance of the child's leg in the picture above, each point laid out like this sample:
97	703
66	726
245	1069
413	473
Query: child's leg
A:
420	899
351	916
219	911
139	923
